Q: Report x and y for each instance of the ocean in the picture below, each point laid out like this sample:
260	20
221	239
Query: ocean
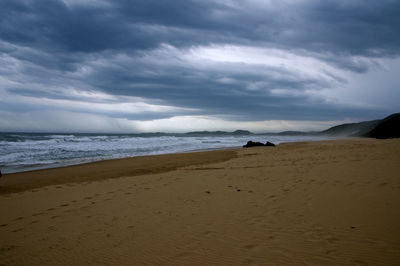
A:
30	151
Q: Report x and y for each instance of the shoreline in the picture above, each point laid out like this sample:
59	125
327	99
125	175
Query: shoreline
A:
109	168
23	183
36	178
66	152
334	202
89	161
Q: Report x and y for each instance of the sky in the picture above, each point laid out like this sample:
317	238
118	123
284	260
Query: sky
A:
124	66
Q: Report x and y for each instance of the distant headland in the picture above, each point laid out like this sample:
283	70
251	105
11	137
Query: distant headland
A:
388	127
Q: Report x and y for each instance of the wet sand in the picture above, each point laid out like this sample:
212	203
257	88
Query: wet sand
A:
317	203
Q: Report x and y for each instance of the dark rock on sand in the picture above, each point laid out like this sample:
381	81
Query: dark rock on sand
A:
257	144
270	144
253	144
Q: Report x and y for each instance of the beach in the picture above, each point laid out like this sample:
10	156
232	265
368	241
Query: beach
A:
334	202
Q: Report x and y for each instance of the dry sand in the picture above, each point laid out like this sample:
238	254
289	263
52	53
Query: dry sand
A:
317	203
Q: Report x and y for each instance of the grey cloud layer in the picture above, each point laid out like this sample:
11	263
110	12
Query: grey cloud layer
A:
50	43
354	27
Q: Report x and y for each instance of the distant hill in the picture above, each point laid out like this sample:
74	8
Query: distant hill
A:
219	133
295	133
351	129
387	128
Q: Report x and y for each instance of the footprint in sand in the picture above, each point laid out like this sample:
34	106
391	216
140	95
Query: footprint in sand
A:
250	246
358	262
185	255
8	248
209	233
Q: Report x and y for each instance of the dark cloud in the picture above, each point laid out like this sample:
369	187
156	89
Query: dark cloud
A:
110	47
353	27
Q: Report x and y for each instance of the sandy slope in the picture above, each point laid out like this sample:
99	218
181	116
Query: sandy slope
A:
319	203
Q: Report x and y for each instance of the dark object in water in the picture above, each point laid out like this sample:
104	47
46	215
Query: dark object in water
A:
0	173
255	144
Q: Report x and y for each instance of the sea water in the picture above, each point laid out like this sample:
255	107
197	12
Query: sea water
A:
30	151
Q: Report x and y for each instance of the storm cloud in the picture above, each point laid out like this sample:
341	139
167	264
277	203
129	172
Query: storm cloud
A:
230	60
